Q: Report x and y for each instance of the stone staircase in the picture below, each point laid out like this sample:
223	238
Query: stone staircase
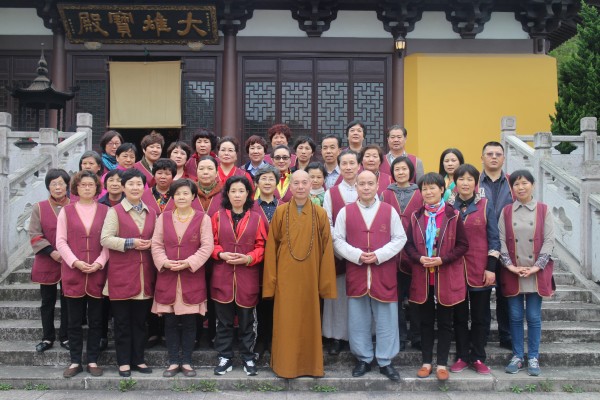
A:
570	353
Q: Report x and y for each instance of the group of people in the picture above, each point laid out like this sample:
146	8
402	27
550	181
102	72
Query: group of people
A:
289	251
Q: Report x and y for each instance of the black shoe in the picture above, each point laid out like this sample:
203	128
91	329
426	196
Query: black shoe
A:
43	346
416	345
125	374
402	346
142	370
336	347
225	366
360	369
250	368
103	344
390	372
506	344
65	345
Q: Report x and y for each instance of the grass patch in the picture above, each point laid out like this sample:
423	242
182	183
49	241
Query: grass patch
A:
516	389
6	386
324	389
268	387
125	385
38	386
444	388
572	389
240	386
531	388
547	386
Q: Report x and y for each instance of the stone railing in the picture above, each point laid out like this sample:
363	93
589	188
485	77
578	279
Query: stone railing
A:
569	184
22	174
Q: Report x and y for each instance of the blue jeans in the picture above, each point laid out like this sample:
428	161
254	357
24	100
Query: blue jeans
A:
532	302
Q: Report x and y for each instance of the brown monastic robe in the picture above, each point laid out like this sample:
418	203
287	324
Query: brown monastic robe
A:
296	286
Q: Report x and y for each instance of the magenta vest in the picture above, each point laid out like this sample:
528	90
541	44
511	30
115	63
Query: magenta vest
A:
386	167
414	204
476	256
383	182
86	247
214	206
543	278
148	174
45	270
450	284
149	200
384	284
258	209
337	203
193	284
238	283
125	269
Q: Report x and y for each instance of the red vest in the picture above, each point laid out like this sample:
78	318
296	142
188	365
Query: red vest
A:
450	283
476	257
383	181
258	209
215	205
148	174
86	247
287	196
414	204
337	203
45	270
126	268
238	283
386	167
193	284
149	200
384	284
543	278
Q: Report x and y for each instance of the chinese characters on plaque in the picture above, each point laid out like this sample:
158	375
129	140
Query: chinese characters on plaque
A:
139	24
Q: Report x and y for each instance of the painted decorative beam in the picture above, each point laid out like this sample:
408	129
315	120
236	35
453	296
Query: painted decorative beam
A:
399	16
314	16
469	16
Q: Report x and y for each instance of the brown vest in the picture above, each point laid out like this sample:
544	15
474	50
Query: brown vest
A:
45	270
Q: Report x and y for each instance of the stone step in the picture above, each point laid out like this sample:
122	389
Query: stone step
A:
565	293
339	380
552	354
24	309
552	331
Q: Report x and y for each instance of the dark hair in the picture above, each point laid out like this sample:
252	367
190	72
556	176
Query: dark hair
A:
456	152
107	137
183	183
316	165
211	158
203	133
281	146
267	169
396	127
183	146
166	164
132	173
126	147
432	178
76	180
492	143
226	203
229	139
332	136
409	164
305	139
520	173
255	139
152	138
96	158
345	153
370	147
112	173
356	122
279	128
466	169
56	173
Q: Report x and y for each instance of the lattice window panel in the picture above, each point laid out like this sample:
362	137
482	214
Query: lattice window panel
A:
332	112
296	107
29	122
369	107
259	107
198	107
91	98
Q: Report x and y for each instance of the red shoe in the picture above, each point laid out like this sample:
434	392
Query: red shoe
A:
459	366
481	368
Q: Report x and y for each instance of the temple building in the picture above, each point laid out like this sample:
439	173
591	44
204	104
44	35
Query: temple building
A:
447	70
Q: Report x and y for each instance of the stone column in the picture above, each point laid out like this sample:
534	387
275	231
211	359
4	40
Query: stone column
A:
542	143
48	142
58	71
5	129
590	136
229	101
84	124
590	184
508	127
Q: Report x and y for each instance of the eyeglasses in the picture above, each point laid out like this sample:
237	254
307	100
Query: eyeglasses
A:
494	154
279	158
115	144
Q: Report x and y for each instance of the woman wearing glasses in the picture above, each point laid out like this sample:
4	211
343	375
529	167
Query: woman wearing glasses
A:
281	157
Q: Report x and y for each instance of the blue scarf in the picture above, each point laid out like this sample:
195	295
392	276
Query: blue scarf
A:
110	162
432	211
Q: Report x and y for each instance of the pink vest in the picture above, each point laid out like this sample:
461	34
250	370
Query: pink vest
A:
149	200
386	167
476	256
45	270
384	284
126	268
543	278
450	284
238	283
415	202
86	247
193	284
337	203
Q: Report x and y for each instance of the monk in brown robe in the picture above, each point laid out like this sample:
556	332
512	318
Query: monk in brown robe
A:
299	268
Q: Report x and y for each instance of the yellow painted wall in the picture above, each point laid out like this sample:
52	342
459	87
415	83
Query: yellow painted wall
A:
459	100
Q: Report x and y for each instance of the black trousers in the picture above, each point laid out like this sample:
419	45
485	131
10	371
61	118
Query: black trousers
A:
470	344
130	329
264	315
408	318
106	314
76	307
501	311
430	313
180	333
156	326
247	329
48	294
